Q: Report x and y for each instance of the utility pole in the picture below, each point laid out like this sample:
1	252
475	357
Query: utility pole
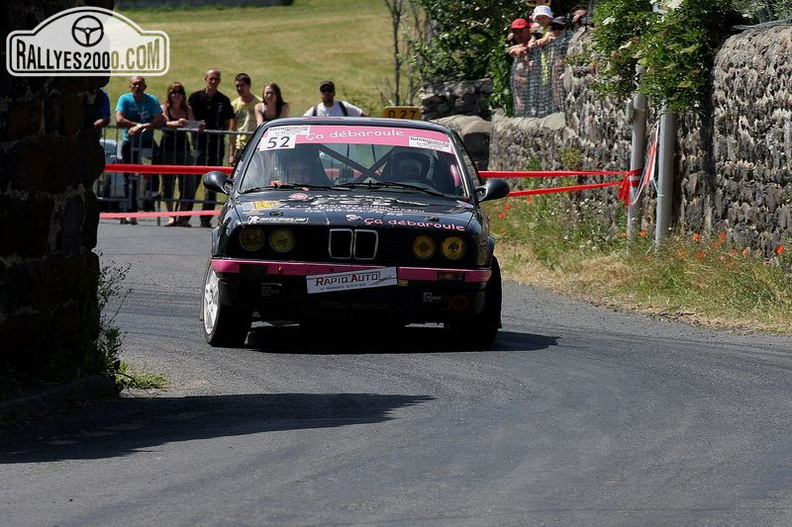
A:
637	109
665	165
666	146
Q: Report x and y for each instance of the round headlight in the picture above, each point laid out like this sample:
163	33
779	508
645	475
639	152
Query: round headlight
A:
282	239
423	247
454	248
251	238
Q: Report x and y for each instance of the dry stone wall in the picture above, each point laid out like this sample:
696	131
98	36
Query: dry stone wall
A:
49	158
732	159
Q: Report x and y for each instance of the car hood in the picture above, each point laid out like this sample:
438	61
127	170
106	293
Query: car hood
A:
413	211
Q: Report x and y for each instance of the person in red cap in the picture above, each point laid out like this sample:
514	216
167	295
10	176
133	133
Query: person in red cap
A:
518	75
329	107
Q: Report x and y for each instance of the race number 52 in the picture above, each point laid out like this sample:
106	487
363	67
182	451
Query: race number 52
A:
279	142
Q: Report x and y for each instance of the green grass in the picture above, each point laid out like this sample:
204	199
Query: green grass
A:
127	379
296	46
558	243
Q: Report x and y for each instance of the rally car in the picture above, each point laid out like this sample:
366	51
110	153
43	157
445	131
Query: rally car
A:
353	223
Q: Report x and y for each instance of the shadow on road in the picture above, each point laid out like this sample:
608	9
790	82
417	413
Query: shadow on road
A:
125	426
412	339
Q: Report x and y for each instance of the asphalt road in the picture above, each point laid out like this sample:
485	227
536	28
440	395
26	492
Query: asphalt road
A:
577	416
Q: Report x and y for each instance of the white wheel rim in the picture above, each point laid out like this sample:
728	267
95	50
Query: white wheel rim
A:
211	294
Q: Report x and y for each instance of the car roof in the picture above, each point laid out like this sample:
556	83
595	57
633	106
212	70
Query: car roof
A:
360	121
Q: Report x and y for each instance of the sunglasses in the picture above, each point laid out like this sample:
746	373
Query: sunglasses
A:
327	90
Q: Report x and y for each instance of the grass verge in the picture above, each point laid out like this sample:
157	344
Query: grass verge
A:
561	244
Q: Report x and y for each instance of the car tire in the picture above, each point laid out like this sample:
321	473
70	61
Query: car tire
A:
223	326
480	330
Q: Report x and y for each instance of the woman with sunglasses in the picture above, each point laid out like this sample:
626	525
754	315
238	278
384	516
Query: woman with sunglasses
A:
175	150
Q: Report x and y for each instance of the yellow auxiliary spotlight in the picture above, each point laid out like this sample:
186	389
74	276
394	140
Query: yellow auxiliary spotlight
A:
423	247
251	238
454	248
282	239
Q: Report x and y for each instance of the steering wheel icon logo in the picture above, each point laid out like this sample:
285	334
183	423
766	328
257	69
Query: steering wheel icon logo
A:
87	31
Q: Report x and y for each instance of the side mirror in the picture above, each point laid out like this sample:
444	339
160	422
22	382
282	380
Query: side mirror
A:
218	181
492	189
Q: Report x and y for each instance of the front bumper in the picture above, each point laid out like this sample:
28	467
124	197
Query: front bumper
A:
278	291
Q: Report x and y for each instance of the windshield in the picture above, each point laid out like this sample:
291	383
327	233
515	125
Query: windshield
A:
341	157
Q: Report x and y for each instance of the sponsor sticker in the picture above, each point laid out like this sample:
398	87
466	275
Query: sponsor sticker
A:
87	41
322	283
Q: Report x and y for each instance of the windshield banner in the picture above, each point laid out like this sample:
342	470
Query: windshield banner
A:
284	137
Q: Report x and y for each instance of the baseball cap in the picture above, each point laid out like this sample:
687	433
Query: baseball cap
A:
519	23
326	84
542	10
559	21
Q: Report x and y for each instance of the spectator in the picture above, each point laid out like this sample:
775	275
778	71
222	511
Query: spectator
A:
579	16
542	15
329	107
557	42
214	109
175	150
103	109
557	28
138	113
272	106
244	119
539	96
518	76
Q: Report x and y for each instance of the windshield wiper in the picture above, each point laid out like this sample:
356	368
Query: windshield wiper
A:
374	185
286	186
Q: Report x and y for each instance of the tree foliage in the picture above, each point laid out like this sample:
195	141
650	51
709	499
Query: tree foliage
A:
467	41
675	41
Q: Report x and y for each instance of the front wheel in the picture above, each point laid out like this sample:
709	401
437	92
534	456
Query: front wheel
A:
224	326
481	329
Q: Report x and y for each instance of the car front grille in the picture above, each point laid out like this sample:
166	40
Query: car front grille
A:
353	244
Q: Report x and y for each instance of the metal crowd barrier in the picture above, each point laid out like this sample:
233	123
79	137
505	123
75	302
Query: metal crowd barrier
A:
539	90
143	190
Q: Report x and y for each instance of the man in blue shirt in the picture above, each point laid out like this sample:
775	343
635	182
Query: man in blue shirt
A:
139	114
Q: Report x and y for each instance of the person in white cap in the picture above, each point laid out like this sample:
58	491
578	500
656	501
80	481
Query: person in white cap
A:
542	15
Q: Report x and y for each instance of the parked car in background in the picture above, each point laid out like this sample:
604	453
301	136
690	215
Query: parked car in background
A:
353	223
